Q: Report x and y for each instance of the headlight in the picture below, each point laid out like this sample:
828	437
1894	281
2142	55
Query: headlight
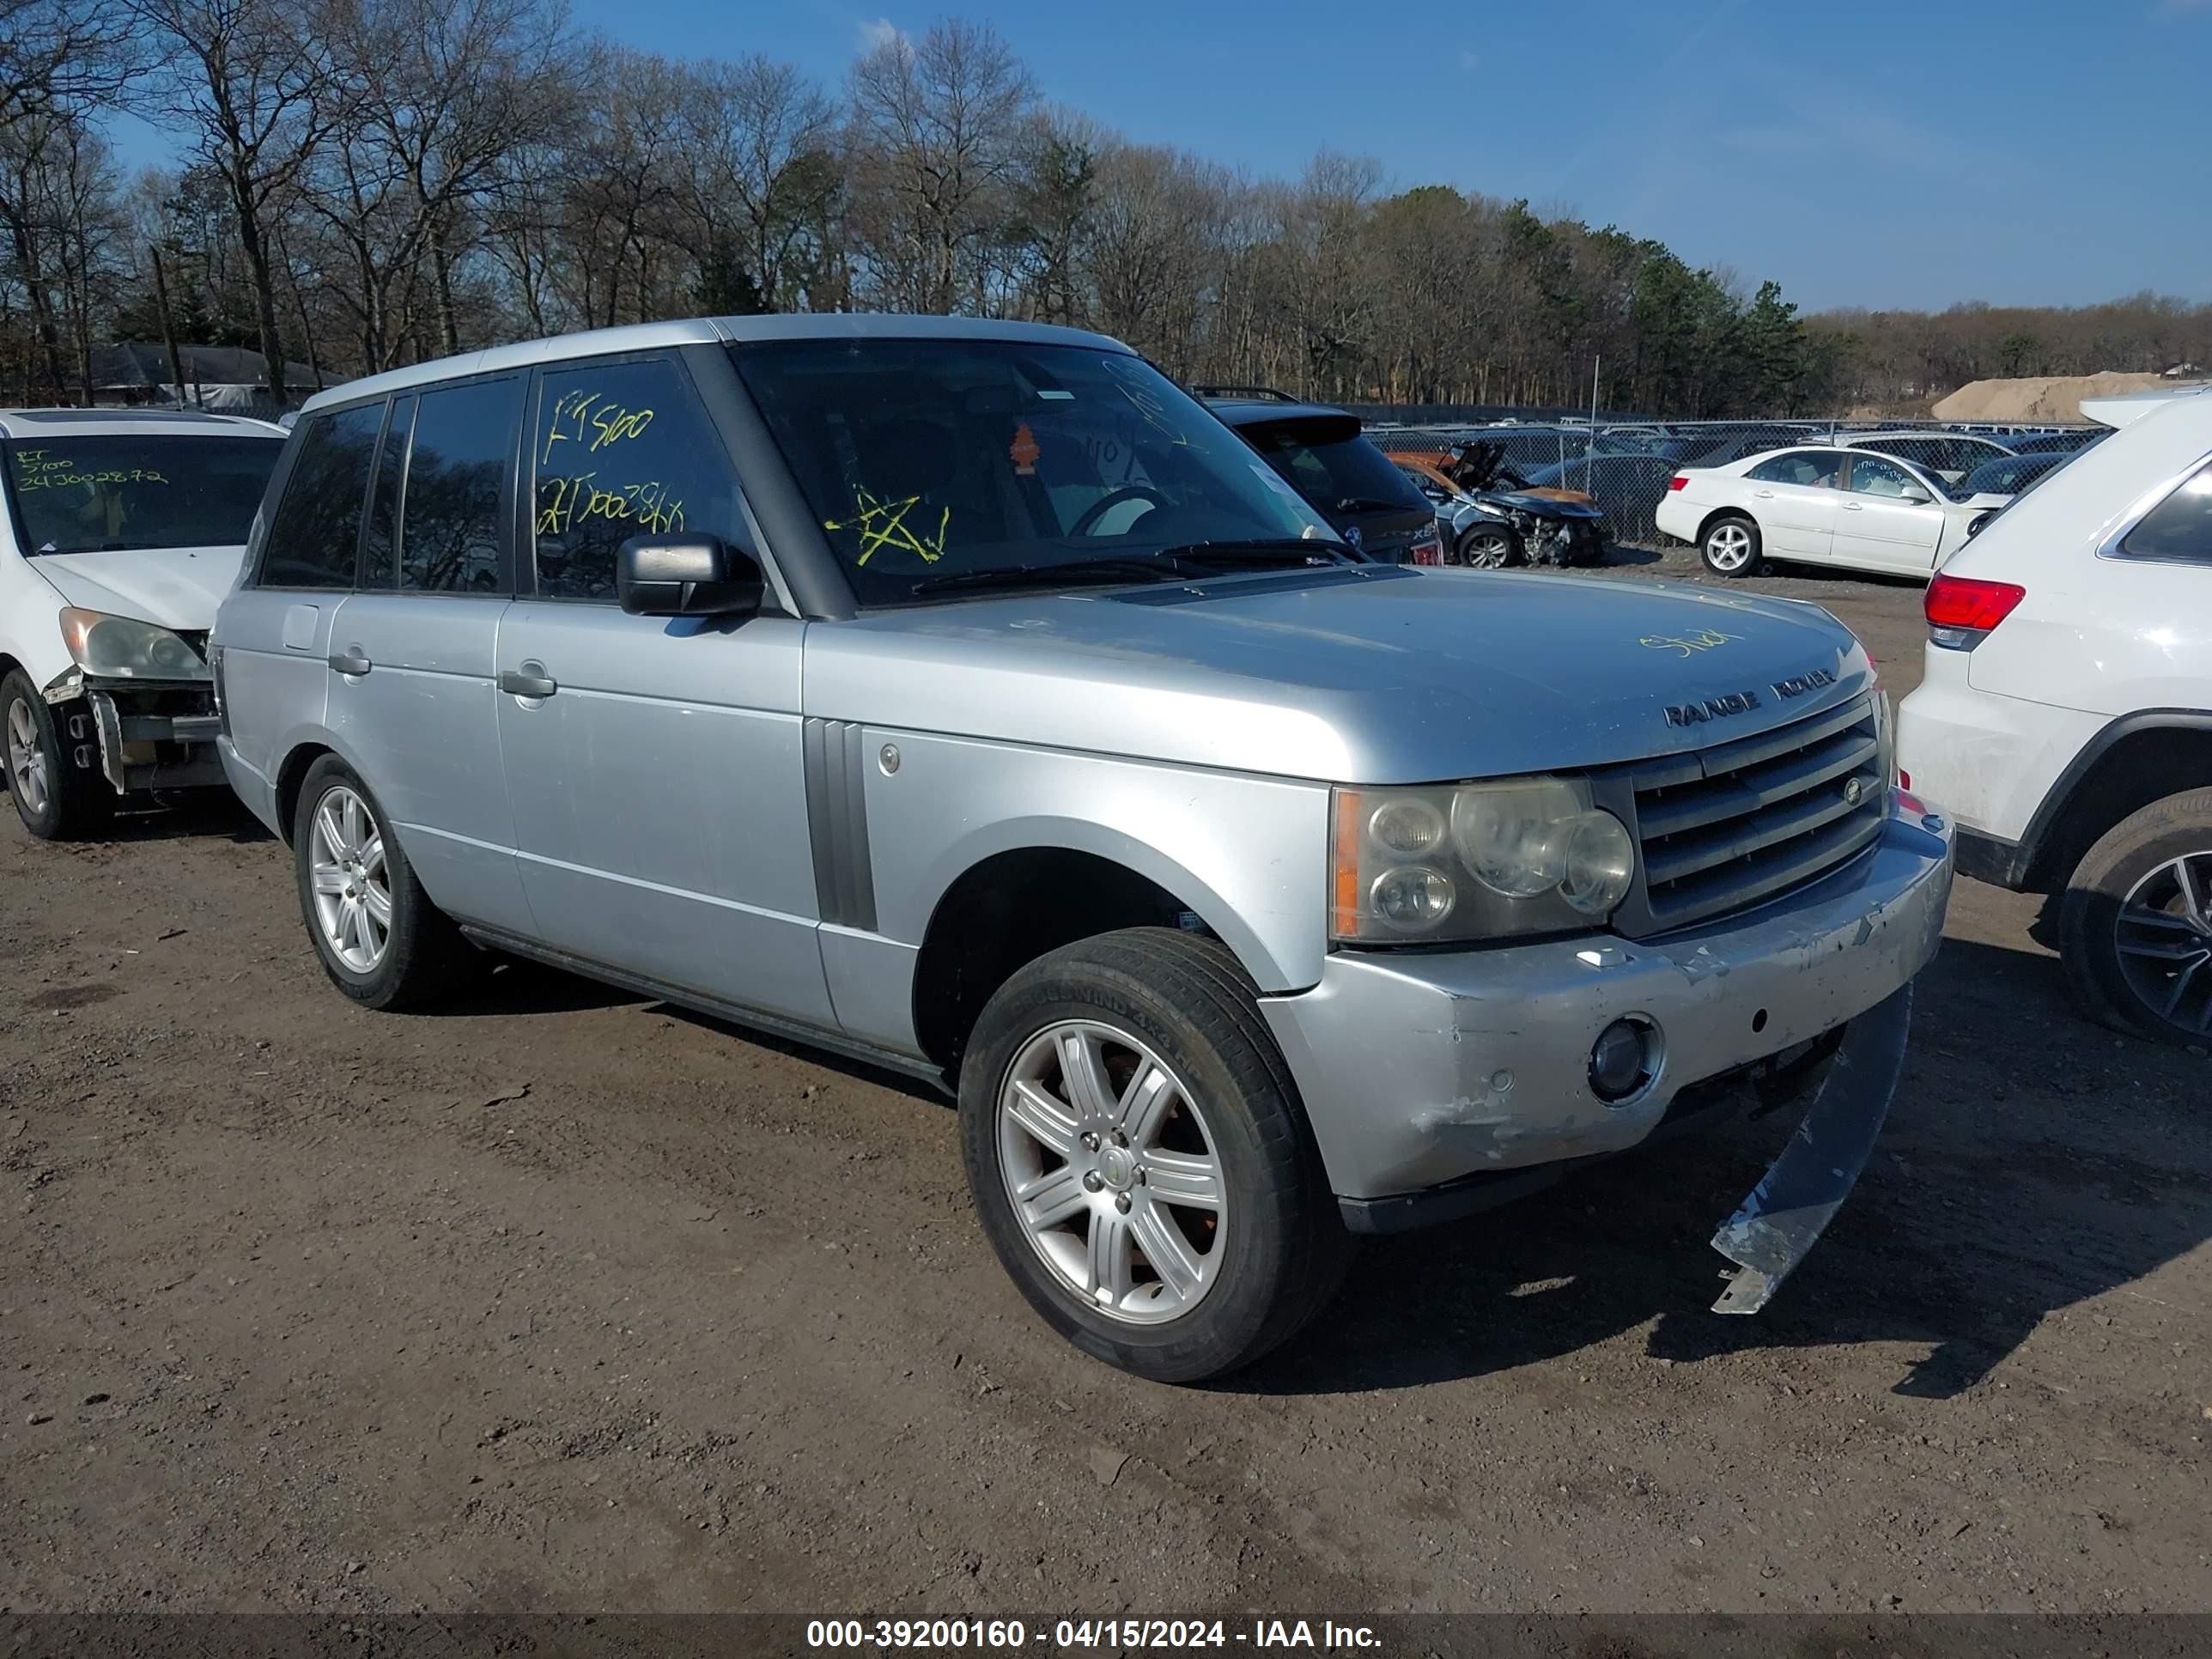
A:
1475	861
119	647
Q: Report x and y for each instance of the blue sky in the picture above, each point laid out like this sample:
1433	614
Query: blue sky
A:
1876	153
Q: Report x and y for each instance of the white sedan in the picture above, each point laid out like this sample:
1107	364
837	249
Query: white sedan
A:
1820	504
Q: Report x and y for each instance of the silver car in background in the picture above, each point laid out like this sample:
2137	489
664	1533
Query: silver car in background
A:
966	697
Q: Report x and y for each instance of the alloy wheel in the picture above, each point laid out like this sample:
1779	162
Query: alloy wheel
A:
1112	1172
27	759
351	885
1489	550
1728	547
2164	937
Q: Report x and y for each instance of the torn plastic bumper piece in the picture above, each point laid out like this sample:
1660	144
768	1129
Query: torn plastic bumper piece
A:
1778	1224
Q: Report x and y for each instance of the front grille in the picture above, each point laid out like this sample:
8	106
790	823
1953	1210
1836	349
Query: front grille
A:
1730	827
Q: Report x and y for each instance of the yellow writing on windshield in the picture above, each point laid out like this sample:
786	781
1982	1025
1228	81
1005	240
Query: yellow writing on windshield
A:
882	524
34	472
567	503
594	421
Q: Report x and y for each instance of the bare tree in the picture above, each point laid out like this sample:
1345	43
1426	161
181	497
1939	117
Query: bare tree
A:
766	173
248	85
447	90
936	129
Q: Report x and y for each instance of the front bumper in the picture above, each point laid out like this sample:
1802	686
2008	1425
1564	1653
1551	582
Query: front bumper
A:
1418	1069
145	737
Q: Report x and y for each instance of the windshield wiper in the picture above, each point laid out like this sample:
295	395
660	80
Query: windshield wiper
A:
1265	550
1069	572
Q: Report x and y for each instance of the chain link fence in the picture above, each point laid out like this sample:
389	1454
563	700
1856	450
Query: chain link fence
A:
1625	466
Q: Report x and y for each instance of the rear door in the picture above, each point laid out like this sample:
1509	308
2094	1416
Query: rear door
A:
1796	498
275	631
411	652
1888	518
655	765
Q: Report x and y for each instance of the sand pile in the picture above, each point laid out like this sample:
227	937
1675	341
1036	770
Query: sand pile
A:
2051	398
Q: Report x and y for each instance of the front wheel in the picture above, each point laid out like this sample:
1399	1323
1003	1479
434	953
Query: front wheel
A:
56	798
1139	1159
1731	546
2135	925
1489	547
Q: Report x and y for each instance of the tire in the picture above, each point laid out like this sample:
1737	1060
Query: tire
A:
1487	547
2125	900
1739	550
416	957
1255	1266
56	798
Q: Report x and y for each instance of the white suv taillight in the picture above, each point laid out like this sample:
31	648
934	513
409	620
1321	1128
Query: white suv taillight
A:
1962	610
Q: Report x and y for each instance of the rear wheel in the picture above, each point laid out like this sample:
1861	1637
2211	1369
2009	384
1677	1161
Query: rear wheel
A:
1489	547
2135	925
56	798
1731	546
1139	1159
379	937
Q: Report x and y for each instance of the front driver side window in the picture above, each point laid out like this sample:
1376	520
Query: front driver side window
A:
1873	476
619	450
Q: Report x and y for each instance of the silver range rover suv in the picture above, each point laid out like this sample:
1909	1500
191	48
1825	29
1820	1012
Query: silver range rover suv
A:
967	697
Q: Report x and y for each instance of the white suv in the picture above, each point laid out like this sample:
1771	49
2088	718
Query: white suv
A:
2065	718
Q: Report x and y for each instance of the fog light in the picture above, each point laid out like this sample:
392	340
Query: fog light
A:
1624	1059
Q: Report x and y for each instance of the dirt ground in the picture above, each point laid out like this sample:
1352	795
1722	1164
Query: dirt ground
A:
566	1300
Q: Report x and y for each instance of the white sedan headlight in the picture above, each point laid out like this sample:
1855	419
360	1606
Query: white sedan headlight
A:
1474	861
123	648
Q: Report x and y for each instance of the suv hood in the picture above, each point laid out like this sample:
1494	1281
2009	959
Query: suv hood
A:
175	587
1388	677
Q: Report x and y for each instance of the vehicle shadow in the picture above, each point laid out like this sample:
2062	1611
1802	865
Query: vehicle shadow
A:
198	815
2032	1162
1622	556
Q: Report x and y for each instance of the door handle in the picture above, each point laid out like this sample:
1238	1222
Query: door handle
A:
1854	506
530	680
351	660
1763	495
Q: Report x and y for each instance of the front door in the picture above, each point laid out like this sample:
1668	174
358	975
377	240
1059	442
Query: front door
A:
411	650
1888	519
654	765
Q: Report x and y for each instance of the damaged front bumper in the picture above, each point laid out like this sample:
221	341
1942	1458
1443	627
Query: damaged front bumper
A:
1438	1084
138	734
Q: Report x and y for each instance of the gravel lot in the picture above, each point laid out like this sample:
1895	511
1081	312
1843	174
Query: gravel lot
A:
569	1301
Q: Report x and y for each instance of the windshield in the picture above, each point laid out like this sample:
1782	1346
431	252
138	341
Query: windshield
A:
929	459
164	489
1329	463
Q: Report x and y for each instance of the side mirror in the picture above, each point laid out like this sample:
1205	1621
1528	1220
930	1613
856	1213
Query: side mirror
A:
1914	498
685	576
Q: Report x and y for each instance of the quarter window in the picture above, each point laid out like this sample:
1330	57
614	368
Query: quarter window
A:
451	539
621	450
312	541
2178	530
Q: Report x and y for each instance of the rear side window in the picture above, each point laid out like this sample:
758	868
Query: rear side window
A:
2178	530
1818	468
313	539
451	539
620	450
